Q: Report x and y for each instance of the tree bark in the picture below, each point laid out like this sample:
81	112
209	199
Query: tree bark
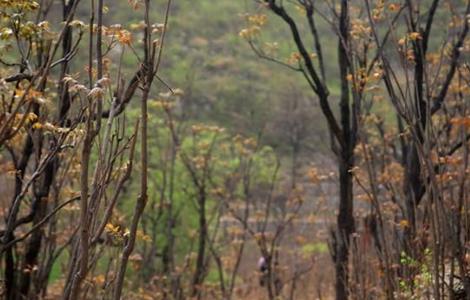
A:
200	261
345	220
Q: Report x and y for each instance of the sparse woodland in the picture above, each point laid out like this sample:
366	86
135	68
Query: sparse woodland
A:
256	149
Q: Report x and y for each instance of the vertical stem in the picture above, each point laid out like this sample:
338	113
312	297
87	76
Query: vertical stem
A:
149	71
84	230
345	220
86	154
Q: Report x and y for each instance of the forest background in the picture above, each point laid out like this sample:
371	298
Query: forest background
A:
234	149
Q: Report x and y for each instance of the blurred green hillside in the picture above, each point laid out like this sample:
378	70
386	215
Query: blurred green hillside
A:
223	80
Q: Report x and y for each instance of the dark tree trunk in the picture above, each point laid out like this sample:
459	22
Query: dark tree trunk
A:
10	276
43	185
414	189
9	271
345	227
33	249
199	273
344	133
345	220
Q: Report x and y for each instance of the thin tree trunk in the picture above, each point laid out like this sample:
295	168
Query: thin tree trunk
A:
41	197
200	271
345	220
345	227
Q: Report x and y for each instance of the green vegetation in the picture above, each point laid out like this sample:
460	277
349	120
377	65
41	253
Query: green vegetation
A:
256	149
